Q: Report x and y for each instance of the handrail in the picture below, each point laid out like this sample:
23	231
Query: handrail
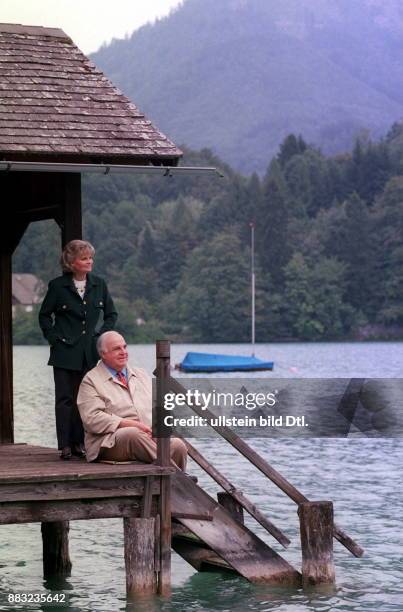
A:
173	385
238	495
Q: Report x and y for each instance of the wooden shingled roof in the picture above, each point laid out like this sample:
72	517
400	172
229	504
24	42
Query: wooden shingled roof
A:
55	105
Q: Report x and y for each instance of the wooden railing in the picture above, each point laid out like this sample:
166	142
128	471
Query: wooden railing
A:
169	384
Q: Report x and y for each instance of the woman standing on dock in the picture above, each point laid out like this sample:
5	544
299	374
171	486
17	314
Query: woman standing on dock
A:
69	316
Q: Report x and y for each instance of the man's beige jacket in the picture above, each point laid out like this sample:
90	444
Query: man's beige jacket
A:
103	402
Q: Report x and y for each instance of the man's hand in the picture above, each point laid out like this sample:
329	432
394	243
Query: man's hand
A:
138	424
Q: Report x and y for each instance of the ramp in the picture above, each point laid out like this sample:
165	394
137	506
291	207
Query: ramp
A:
221	541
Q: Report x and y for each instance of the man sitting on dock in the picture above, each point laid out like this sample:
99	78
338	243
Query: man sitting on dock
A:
115	404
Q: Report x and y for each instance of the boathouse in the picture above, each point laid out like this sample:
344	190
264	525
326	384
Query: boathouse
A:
56	110
60	117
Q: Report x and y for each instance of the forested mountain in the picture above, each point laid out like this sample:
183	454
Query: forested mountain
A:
237	76
175	251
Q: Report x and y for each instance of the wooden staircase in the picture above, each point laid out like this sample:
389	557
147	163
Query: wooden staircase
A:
219	541
211	535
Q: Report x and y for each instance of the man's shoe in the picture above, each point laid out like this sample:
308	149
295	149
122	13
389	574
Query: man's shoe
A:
79	451
66	453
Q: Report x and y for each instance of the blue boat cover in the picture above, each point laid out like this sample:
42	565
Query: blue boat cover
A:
210	362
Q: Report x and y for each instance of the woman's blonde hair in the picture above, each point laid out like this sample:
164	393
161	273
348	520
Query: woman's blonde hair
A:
72	250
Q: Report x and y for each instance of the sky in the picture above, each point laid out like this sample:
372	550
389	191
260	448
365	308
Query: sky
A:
88	22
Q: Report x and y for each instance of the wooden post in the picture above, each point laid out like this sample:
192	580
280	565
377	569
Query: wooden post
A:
163	353
139	546
69	214
55	540
230	504
6	351
69	218
316	526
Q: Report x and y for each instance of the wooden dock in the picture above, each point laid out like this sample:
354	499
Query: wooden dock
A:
69	490
36	486
161	508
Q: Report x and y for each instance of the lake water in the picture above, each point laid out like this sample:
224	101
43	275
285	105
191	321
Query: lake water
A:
363	477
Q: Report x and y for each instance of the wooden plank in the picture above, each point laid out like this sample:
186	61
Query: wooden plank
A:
200	516
55	546
86	489
316	525
139	556
265	468
30	464
241	548
33	512
34	475
149	488
240	498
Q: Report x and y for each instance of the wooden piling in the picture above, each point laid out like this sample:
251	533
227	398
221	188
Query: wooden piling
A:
163	352
230	504
55	541
139	544
316	526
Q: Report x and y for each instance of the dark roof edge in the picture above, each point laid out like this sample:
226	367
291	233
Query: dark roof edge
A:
160	159
17	28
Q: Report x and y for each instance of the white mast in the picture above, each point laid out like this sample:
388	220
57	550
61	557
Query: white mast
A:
252	262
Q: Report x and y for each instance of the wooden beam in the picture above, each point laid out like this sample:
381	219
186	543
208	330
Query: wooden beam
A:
56	558
163	459
34	512
6	351
76	489
69	217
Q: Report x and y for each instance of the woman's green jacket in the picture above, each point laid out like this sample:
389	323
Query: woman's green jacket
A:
71	324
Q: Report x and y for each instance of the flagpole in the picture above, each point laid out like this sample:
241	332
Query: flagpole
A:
252	263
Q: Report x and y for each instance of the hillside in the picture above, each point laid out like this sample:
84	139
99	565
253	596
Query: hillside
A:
176	252
237	76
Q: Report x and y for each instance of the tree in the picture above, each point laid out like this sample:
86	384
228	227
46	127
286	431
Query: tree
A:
213	297
313	297
272	229
388	238
291	145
